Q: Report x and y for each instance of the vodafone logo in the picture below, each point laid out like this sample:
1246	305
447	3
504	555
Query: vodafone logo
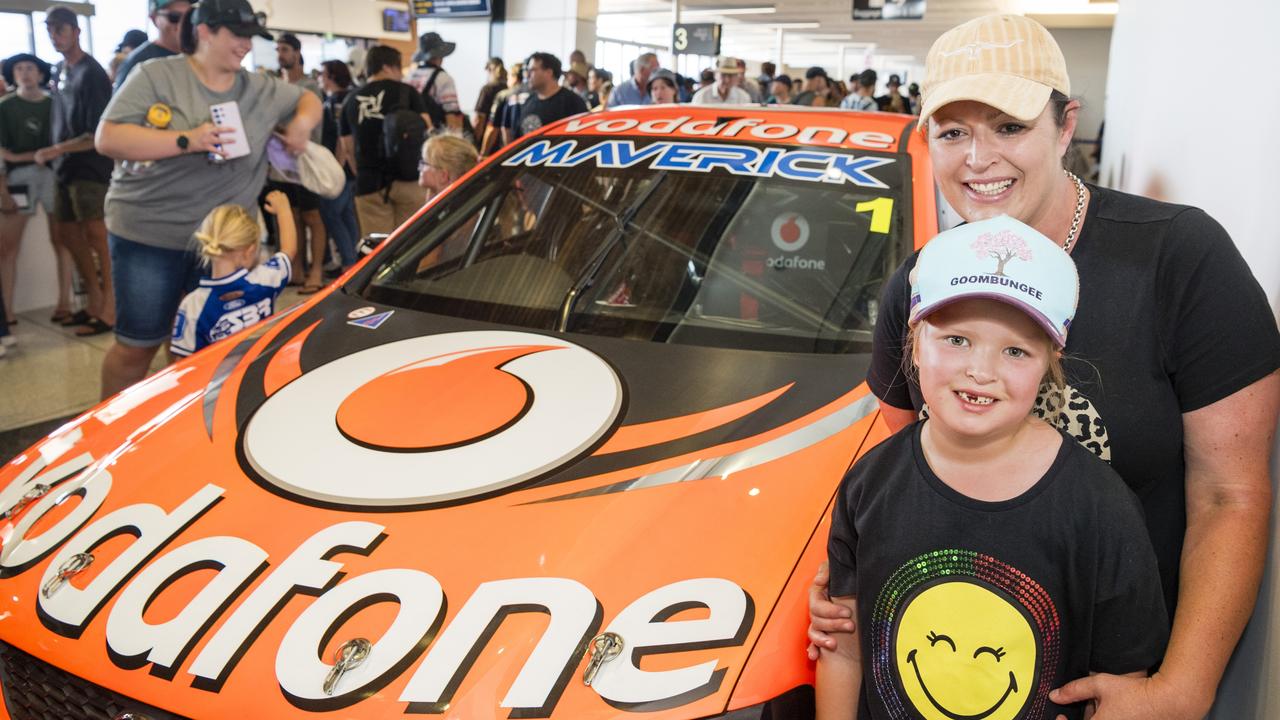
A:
433	419
790	232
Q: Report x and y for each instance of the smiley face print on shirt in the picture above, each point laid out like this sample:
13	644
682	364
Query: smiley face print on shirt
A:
958	635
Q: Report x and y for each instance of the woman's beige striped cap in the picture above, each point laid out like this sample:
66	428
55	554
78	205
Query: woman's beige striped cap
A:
1009	62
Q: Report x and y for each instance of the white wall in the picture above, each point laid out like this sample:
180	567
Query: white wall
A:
555	26
355	18
1087	52
1163	135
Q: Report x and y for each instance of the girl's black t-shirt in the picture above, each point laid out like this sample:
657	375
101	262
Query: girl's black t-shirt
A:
969	608
1170	320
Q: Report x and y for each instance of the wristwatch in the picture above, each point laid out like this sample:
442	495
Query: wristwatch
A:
183	142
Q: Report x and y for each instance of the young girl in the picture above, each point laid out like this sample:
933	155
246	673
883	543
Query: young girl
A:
242	291
986	557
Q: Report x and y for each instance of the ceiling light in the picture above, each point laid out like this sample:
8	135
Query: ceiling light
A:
745	10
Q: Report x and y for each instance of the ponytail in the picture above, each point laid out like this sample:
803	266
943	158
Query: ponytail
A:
227	228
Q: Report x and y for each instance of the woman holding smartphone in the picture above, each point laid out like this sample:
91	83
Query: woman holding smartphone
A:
178	165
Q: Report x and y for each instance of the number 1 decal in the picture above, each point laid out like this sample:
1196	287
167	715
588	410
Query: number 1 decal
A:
881	213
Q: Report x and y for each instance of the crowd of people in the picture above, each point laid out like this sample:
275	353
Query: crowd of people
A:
1164	580
64	126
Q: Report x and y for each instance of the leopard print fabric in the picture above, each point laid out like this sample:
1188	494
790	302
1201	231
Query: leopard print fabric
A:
1070	412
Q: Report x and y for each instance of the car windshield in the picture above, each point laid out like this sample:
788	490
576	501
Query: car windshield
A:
737	245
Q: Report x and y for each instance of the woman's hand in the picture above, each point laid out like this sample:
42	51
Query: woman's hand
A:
295	139
1119	697
46	155
210	138
825	616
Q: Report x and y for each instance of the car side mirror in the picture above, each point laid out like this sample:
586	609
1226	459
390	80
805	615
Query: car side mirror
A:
370	242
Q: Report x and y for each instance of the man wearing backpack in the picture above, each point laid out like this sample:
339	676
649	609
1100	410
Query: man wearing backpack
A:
384	124
437	86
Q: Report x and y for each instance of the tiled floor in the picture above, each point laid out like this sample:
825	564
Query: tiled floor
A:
51	373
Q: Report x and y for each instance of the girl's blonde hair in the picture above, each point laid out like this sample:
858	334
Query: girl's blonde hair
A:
450	153
225	229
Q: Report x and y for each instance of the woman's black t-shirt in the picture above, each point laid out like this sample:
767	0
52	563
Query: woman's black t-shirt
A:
969	608
1170	319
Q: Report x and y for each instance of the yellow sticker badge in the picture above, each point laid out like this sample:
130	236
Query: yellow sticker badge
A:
159	115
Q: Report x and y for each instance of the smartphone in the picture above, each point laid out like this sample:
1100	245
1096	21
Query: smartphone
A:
228	114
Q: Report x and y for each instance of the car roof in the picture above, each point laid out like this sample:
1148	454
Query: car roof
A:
792	125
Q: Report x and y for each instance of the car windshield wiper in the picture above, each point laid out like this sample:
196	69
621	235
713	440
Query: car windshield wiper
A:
622	220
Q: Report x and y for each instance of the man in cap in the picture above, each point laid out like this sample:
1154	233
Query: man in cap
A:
780	90
816	90
131	41
430	79
726	90
575	78
860	97
632	90
166	15
894	101
82	174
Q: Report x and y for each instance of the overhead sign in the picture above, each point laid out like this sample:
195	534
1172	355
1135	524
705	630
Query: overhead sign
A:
888	9
695	39
451	8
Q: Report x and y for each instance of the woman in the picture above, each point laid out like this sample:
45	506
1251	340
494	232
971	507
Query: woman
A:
445	158
1171	360
339	214
497	75
24	129
662	88
182	165
606	92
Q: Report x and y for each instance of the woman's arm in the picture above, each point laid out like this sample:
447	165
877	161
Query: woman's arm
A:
277	203
126	141
839	672
1227	446
305	117
13	157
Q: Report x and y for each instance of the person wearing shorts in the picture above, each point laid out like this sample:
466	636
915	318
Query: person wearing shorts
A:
170	177
25	185
83	92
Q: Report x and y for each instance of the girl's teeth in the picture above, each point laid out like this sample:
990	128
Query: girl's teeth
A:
975	399
991	188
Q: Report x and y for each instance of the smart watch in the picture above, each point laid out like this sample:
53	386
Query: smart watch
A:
183	142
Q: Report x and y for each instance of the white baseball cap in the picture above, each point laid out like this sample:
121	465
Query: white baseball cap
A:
998	259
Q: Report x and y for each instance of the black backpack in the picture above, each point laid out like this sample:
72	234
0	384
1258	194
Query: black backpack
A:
439	118
403	132
434	109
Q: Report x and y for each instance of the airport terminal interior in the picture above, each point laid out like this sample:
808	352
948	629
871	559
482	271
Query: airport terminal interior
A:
182	174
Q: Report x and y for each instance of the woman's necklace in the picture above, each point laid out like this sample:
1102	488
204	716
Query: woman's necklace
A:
1075	220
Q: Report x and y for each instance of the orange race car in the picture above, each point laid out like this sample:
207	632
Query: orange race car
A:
564	446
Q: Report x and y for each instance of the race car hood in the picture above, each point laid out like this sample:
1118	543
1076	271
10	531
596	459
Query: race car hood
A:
368	508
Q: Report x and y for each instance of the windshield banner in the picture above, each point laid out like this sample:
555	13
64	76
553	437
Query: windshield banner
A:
809	165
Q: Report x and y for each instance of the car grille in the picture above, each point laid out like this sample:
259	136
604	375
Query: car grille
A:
36	690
